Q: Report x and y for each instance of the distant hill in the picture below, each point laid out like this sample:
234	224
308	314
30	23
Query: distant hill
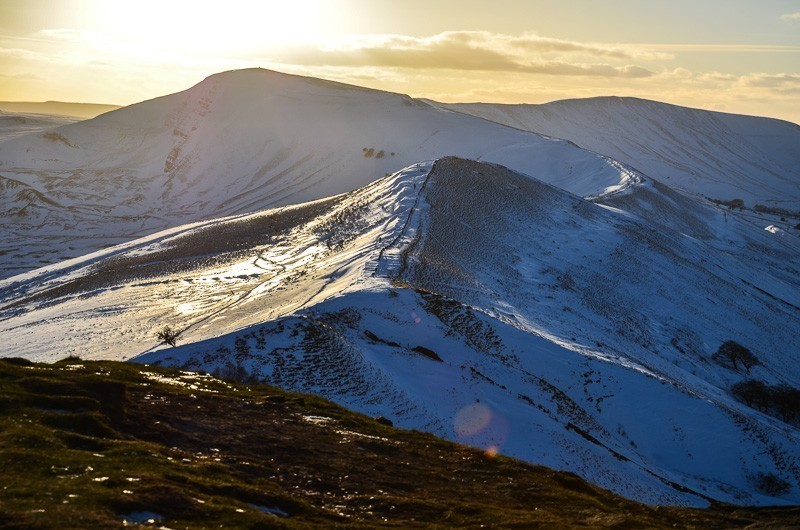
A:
60	108
714	154
13	124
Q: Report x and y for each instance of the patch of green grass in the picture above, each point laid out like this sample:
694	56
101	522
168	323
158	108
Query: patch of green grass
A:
84	444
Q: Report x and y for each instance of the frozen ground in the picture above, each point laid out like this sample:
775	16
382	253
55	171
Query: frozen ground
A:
477	303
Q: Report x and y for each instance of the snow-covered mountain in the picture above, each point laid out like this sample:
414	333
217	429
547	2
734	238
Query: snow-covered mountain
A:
13	124
239	142
65	109
713	154
480	304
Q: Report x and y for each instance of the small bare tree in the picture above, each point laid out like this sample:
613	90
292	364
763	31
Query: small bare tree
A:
167	335
732	353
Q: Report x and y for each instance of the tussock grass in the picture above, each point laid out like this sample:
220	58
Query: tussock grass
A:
84	444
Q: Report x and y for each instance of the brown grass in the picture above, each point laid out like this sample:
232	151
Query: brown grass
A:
84	443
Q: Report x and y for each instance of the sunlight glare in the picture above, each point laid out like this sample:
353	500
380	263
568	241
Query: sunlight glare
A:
235	26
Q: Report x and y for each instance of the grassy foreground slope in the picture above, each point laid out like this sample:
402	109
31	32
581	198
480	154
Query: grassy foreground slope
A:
95	444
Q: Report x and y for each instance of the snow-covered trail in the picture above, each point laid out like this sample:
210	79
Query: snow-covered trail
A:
295	270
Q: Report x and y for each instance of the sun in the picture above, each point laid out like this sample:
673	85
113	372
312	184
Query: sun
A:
204	27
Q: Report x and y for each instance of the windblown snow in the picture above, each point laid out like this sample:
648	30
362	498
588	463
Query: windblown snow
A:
480	304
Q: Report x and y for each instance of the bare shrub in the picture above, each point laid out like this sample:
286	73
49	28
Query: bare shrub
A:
167	335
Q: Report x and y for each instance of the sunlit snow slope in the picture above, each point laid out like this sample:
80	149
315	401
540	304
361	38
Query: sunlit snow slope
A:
13	124
477	303
239	142
714	154
65	109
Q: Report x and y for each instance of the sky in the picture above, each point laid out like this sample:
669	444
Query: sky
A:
738	56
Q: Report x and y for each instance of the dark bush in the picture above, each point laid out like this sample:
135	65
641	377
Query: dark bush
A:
733	203
383	420
17	361
242	347
731	354
771	484
782	400
786	401
775	211
753	393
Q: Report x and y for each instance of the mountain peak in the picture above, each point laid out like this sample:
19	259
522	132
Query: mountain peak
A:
263	77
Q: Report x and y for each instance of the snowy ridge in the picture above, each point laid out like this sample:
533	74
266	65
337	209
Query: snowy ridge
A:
477	303
713	154
241	142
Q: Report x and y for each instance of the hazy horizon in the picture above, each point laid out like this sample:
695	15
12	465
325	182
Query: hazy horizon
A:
738	57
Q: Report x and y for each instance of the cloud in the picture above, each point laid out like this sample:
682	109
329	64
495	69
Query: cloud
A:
765	89
791	16
751	80
472	50
596	70
23	76
791	81
723	48
533	43
774	83
526	43
20	53
63	34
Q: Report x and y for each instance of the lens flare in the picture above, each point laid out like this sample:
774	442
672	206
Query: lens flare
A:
472	419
